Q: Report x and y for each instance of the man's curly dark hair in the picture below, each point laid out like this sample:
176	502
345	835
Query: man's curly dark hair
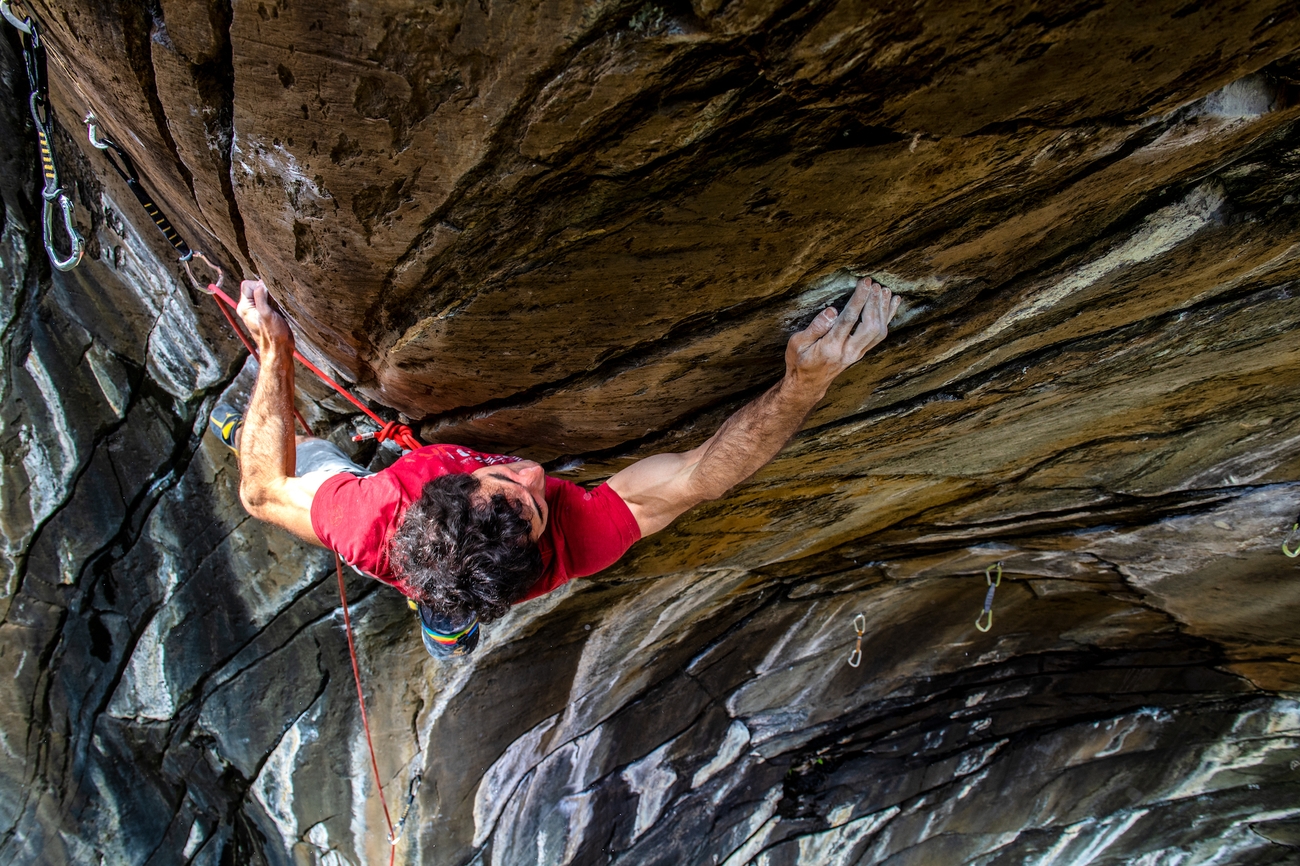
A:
458	553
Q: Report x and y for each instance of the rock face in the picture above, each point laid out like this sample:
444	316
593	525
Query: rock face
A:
582	233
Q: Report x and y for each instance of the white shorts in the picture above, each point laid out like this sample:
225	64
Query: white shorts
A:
320	456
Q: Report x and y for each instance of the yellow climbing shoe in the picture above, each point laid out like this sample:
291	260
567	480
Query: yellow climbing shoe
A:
224	422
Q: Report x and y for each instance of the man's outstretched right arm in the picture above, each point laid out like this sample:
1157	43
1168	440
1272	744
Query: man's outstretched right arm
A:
660	488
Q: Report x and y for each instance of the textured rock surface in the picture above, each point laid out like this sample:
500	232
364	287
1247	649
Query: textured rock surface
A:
582	233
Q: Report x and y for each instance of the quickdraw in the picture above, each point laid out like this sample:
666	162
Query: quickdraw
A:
860	626
1290	535
988	597
39	104
128	173
395	835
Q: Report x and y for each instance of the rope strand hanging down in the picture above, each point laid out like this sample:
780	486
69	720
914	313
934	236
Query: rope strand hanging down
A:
361	701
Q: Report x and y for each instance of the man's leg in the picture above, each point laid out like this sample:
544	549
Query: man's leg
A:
323	456
312	454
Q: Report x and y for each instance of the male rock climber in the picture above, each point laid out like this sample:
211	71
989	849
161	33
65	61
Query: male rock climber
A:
465	535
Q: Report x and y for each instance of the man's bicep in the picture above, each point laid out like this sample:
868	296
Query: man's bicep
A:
658	489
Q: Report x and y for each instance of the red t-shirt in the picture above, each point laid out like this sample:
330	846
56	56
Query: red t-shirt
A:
355	517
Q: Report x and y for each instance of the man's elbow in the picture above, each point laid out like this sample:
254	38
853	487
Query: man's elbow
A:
707	491
253	496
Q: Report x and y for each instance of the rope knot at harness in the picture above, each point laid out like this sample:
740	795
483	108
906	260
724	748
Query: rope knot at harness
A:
392	431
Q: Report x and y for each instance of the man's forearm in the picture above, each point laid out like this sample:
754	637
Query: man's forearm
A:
749	439
267	442
661	487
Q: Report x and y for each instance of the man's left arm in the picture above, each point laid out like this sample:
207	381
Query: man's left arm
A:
660	488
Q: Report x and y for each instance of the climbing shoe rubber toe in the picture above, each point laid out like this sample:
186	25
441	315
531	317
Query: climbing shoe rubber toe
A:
225	423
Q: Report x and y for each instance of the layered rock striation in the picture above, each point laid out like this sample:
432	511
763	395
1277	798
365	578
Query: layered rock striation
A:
582	233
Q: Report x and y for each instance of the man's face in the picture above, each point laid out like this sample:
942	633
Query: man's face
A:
523	483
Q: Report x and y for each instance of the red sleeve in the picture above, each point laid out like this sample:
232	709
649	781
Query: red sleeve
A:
589	531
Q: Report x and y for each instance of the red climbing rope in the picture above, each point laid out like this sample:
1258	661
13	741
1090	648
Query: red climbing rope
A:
399	433
402	435
361	700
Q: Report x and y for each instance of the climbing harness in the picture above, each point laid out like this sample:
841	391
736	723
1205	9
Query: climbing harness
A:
39	104
1290	535
988	596
860	626
399	433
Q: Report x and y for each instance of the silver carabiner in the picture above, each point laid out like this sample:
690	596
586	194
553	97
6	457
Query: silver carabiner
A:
25	24
92	130
205	288
74	237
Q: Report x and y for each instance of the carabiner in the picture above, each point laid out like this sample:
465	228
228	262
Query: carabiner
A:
25	25
988	596
74	238
203	287
92	131
989	577
36	104
860	626
395	835
1291	553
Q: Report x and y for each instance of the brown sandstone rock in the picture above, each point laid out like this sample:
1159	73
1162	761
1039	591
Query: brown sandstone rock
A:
583	232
